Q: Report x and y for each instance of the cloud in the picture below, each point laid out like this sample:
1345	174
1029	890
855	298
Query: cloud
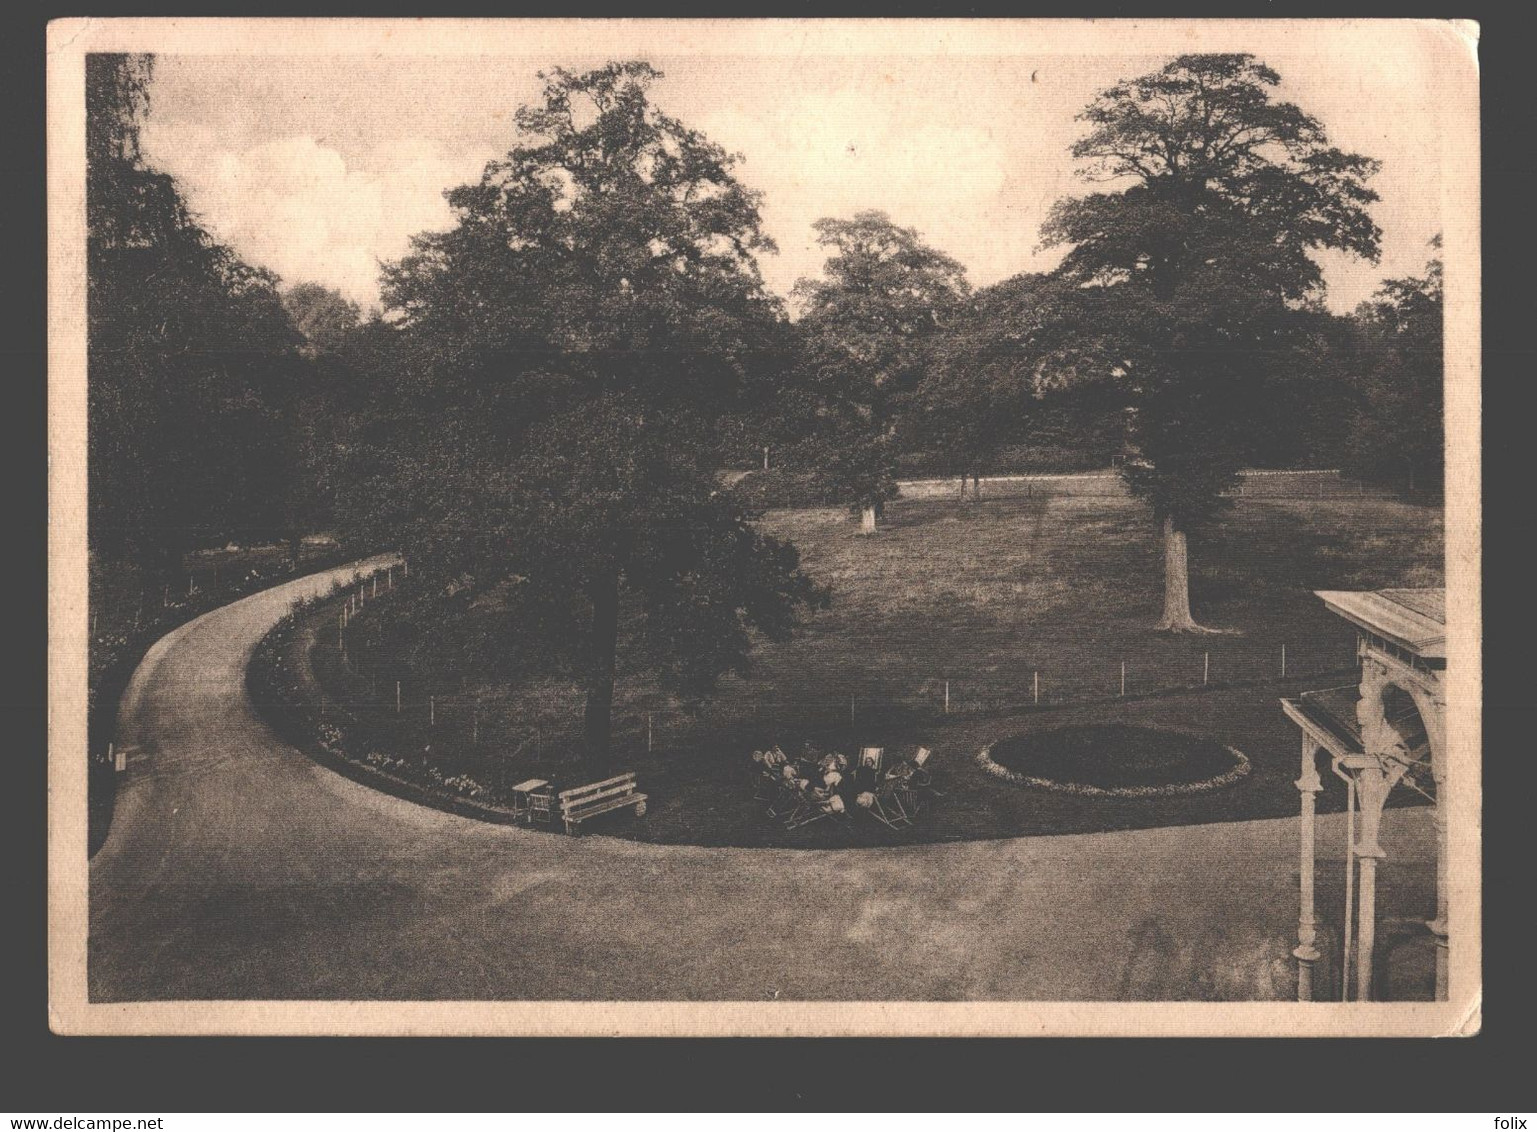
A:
302	208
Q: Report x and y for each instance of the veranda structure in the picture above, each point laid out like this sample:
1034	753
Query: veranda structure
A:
1388	729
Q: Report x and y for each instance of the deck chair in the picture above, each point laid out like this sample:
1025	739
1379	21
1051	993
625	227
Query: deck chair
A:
782	793
911	778
816	804
885	806
766	779
804	810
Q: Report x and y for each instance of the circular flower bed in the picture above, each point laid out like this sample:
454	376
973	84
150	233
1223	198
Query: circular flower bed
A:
1114	760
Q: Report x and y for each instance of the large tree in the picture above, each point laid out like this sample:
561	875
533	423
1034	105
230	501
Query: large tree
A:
867	327
574	342
1192	262
192	359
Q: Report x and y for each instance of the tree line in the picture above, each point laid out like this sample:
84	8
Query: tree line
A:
540	414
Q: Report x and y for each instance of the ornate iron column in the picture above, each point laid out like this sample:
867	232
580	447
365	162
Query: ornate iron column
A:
1306	951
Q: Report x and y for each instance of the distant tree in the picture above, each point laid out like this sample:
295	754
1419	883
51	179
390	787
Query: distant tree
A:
867	325
981	383
326	407
1193	266
1398	429
325	317
574	340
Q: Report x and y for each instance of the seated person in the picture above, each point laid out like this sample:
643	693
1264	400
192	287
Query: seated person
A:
827	799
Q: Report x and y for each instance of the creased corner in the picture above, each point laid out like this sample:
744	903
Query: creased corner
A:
1470	1021
73	27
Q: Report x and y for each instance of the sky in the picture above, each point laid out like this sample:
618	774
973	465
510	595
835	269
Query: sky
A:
319	166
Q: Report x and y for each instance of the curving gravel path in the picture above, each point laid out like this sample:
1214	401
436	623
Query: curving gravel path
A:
237	868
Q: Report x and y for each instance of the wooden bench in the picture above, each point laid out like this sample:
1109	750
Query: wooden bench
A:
583	802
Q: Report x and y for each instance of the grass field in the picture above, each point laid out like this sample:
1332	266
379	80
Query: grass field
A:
982	596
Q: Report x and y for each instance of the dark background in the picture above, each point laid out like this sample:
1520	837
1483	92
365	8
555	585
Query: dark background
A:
45	1073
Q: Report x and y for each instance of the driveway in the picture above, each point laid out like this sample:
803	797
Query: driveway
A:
237	868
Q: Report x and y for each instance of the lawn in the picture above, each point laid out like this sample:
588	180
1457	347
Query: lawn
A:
982	596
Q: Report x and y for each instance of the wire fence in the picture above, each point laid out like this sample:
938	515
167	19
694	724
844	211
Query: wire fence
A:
1301	483
492	730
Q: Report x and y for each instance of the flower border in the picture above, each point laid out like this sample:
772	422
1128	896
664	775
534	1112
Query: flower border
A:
1240	770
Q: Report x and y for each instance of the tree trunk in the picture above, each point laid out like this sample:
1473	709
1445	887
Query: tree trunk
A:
1176	582
867	519
604	642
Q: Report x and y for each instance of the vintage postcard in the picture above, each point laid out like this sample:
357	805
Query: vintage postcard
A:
764	527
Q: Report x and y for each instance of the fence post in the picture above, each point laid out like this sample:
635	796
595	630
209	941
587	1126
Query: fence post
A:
947	697
1283	659
165	599
474	725
1036	684
648	714
397	697
851	711
432	711
1206	668
1123	677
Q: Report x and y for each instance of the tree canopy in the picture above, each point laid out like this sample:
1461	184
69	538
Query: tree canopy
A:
325	317
1194	264
577	337
193	360
1398	430
867	328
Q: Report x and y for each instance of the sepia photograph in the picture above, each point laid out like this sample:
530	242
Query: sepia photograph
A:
764	527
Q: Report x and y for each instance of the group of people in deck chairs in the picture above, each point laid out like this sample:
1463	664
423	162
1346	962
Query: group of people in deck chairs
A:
814	785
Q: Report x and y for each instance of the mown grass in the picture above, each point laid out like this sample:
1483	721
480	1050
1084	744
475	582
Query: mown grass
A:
982	596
